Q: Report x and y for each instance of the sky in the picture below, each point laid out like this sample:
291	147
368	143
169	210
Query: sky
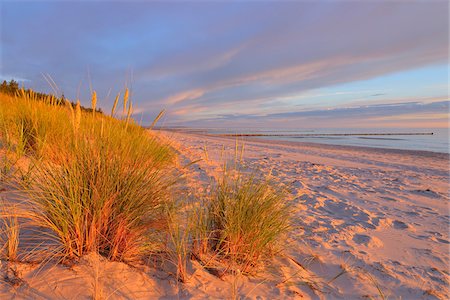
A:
234	64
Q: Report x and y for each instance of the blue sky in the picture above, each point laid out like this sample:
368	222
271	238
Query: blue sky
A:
240	63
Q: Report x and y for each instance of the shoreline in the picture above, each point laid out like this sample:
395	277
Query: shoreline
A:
426	153
323	134
279	139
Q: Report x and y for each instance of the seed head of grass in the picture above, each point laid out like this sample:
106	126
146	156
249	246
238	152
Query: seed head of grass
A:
77	117
158	117
94	101
115	105
125	100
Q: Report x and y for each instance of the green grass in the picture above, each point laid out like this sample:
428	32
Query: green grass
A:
242	222
9	232
98	183
177	244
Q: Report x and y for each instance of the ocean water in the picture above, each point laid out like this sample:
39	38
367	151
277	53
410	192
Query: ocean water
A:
438	142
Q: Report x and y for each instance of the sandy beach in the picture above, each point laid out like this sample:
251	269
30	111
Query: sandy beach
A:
242	150
367	224
378	216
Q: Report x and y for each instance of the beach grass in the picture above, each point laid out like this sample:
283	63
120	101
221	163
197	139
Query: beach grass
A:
241	222
99	184
9	232
178	242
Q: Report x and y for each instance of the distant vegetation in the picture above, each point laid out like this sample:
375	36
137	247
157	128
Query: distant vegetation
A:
12	88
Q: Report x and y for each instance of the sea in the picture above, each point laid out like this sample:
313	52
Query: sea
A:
390	138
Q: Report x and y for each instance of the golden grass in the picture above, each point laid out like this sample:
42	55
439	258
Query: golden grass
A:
116	101
99	184
9	232
94	102
178	243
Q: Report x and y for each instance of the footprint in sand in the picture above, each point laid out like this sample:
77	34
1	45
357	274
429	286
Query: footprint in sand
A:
371	242
400	225
388	198
439	240
412	213
434	233
427	193
297	184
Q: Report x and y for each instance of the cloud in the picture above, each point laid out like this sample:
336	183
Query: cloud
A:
185	64
184	96
364	116
368	111
207	59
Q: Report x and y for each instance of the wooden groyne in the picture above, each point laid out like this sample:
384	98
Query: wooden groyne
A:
322	134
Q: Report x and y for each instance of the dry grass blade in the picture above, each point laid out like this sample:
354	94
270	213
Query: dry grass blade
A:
158	117
9	232
115	105
377	286
130	111
125	100
177	244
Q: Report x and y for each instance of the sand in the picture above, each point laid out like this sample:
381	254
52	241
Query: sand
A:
367	223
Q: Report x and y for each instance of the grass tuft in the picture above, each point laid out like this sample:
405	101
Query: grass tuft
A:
9	232
242	222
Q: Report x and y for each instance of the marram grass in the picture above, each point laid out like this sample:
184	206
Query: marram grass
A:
99	184
241	223
9	232
102	199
